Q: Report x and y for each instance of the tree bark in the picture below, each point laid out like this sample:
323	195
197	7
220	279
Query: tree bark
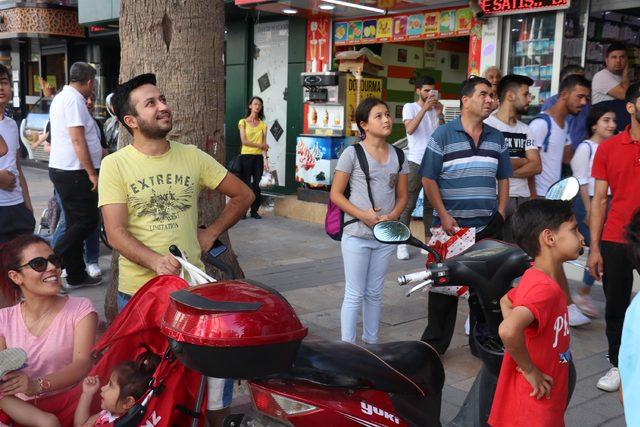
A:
182	42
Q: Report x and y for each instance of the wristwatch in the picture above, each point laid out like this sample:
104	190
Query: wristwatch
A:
44	384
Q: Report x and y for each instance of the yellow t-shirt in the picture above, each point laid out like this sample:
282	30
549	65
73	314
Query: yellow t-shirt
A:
254	135
161	194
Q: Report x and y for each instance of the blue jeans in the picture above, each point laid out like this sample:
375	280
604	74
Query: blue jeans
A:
365	265
91	243
581	213
122	300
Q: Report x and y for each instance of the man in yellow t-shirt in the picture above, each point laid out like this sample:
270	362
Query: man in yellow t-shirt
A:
148	191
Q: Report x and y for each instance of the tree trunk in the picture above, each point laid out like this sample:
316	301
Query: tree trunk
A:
182	42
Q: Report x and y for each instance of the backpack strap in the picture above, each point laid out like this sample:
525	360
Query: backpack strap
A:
547	120
400	155
364	165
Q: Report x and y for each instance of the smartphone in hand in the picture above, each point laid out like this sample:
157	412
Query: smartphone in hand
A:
217	249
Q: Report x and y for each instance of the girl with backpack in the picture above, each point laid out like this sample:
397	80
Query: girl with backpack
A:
601	124
377	192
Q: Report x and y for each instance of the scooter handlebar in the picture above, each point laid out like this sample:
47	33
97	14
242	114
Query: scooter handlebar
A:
412	277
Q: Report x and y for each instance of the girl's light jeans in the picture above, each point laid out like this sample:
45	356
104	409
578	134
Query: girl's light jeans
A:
365	265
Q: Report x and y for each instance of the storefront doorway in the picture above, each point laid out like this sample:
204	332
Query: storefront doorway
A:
445	60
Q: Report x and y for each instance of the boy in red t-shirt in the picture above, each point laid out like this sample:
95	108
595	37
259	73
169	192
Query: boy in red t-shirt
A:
533	383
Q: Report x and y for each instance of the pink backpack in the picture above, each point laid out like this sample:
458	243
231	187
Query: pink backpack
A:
334	221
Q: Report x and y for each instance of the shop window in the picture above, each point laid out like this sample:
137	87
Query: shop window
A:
531	52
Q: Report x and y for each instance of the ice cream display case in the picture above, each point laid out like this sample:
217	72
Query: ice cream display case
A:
316	158
330	100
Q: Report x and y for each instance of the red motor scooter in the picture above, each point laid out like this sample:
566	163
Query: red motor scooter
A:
399	384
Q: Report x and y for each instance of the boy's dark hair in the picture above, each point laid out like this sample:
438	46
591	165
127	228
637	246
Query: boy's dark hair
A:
512	82
4	73
633	239
134	377
570	82
469	86
595	113
633	93
535	216
424	80
121	99
571	69
364	109
616	46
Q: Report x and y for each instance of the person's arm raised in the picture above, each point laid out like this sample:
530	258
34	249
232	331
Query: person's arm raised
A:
115	218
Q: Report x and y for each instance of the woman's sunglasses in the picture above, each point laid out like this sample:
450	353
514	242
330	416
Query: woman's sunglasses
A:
40	264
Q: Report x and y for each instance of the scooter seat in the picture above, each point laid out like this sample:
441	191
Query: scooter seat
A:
406	367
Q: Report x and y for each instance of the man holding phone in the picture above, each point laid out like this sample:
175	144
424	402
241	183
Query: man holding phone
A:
420	119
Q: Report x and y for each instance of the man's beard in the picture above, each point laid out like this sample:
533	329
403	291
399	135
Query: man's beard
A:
153	131
521	109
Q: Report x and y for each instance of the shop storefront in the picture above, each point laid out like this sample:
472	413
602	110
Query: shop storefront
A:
538	41
405	39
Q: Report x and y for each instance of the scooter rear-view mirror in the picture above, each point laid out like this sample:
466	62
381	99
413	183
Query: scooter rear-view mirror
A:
392	232
565	189
396	233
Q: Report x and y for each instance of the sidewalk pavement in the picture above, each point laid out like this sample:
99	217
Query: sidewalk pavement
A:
301	262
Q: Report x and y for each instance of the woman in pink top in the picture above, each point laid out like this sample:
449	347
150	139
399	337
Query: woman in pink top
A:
57	332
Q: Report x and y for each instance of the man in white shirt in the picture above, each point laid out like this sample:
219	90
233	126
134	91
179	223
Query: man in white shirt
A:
613	81
16	212
551	132
552	139
610	84
73	168
420	119
514	96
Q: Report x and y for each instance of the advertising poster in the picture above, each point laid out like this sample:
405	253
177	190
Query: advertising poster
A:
432	24
317	157
385	29
369	30
369	87
453	22
270	65
399	28
319	44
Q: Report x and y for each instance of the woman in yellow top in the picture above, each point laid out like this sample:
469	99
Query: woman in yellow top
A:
253	134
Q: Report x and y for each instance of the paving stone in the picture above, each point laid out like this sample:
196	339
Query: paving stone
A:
583	418
616	422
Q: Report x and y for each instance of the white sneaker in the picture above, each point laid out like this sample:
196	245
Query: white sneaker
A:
576	318
467	326
403	252
610	381
93	270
